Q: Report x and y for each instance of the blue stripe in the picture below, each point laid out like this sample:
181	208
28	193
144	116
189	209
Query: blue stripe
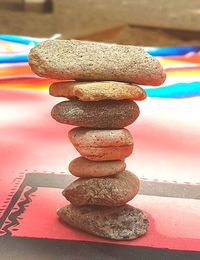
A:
14	58
171	51
179	90
20	39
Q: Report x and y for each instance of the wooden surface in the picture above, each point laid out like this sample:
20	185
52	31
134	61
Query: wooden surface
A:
144	22
103	14
34	5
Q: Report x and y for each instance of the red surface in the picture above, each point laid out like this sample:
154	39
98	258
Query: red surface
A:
167	141
161	233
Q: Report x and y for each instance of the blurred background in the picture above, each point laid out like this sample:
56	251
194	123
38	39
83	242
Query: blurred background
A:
144	22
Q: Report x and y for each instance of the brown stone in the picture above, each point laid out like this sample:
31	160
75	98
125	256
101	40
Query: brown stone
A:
102	144
114	190
97	114
82	167
117	223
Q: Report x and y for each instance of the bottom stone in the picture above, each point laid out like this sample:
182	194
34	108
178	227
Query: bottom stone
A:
118	223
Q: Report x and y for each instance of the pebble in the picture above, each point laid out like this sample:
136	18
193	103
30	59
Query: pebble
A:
109	114
95	91
109	191
82	167
92	61
117	223
102	144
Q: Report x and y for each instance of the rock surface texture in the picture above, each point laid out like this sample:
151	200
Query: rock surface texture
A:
102	144
117	223
92	61
95	91
102	114
115	190
82	167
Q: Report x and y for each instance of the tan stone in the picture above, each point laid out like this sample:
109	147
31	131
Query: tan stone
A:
92	61
95	91
82	167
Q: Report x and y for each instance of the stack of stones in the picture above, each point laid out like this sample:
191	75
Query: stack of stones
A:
101	103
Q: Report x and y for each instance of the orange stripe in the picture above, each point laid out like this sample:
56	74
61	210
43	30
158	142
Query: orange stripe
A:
12	71
26	86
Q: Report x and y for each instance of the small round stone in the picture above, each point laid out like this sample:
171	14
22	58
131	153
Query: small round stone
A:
82	167
102	144
117	223
114	190
95	91
108	114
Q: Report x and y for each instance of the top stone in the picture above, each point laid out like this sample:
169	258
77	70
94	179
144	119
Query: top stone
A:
92	61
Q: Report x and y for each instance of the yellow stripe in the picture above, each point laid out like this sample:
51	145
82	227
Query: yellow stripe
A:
164	62
183	73
25	86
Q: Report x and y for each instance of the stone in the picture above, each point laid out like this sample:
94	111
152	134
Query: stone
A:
114	190
109	114
82	167
102	144
95	91
117	223
92	61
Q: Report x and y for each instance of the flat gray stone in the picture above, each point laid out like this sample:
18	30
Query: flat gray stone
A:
117	223
92	61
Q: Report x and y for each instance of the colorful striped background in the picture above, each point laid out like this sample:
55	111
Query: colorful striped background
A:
182	65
